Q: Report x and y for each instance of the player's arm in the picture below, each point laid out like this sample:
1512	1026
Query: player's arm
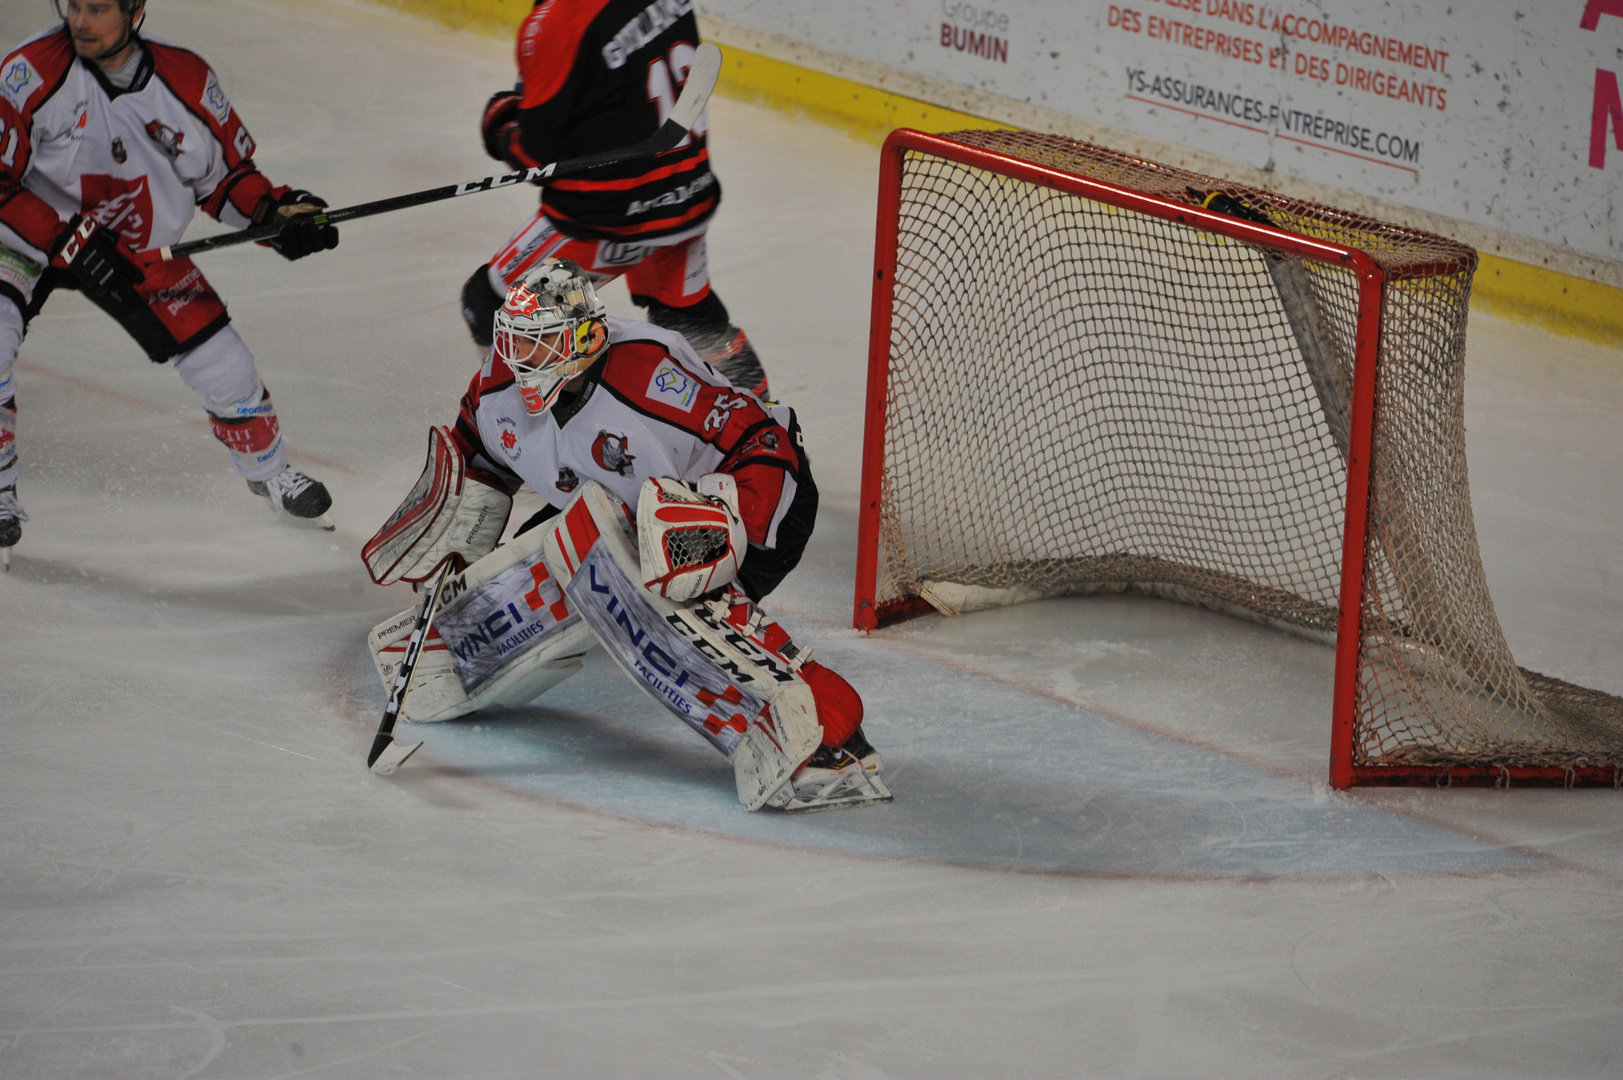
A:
103	267
529	125
231	189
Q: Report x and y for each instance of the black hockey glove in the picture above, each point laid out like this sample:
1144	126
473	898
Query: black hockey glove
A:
499	124
104	269
301	236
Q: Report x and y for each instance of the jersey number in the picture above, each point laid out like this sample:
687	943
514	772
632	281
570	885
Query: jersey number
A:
8	145
666	74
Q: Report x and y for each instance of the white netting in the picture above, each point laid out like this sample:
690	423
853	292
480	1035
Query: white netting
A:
1116	401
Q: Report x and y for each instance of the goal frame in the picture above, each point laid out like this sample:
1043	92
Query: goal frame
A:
1372	279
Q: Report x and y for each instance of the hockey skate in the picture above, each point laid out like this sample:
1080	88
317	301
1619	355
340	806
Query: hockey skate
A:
293	494
736	360
836	777
12	516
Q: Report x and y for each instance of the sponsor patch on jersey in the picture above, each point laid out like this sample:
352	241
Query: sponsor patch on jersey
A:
215	101
509	438
17	80
674	387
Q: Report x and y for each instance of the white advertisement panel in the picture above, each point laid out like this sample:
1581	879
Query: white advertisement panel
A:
1504	115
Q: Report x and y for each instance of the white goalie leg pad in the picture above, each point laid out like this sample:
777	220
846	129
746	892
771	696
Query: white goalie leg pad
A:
504	635
447	512
761	715
689	542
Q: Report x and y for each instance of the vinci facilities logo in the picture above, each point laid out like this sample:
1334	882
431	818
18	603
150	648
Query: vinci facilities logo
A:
975	29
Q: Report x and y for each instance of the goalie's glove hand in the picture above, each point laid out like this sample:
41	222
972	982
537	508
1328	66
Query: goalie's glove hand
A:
302	235
499	125
689	542
104	269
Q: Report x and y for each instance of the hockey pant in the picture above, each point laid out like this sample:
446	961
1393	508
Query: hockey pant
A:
504	635
750	693
184	323
670	272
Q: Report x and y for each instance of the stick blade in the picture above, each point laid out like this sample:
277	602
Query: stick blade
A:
701	84
391	756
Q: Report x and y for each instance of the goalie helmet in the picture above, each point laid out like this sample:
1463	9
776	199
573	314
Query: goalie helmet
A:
549	330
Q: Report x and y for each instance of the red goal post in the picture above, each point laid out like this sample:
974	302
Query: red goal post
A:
1256	408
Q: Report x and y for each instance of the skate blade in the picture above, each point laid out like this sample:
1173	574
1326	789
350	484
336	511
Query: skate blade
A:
323	522
870	790
394	755
5	558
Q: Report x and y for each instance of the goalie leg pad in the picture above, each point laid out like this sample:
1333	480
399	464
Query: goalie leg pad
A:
447	512
749	705
504	635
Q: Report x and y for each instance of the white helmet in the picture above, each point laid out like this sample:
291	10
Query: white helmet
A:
549	330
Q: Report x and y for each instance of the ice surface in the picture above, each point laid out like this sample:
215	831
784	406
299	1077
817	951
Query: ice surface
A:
1112	852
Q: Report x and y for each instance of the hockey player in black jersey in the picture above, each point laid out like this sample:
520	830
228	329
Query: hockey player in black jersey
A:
597	75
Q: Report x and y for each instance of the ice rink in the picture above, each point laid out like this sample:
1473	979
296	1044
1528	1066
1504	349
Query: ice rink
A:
1112	851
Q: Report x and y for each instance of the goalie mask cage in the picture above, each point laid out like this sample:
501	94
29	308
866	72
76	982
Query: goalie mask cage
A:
1081	381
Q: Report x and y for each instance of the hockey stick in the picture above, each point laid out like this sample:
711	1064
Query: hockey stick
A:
695	96
1329	374
387	754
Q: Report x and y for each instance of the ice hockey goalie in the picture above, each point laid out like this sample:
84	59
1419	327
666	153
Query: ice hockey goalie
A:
676	502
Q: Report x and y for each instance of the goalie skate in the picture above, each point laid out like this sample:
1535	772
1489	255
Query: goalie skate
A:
836	777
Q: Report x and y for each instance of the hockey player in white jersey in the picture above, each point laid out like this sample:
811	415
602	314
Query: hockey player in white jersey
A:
675	503
109	142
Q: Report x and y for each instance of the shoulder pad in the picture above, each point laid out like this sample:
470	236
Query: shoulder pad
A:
36	67
192	80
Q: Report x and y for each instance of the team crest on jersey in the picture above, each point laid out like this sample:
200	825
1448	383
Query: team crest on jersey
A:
610	452
215	101
120	154
166	137
674	387
567	480
17	81
123	206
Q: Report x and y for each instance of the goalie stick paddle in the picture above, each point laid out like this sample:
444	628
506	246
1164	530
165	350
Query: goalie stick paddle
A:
388	754
695	96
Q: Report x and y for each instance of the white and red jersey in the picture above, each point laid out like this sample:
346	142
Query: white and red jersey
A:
650	407
140	160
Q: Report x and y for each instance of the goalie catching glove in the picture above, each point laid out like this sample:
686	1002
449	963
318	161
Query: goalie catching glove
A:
690	542
449	513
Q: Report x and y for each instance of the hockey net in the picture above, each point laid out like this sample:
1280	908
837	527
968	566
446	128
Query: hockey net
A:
1082	380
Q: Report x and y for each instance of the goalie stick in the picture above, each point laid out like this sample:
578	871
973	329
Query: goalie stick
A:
388	754
1330	375
695	96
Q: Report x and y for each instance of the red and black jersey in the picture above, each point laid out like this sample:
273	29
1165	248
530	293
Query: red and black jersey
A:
599	75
